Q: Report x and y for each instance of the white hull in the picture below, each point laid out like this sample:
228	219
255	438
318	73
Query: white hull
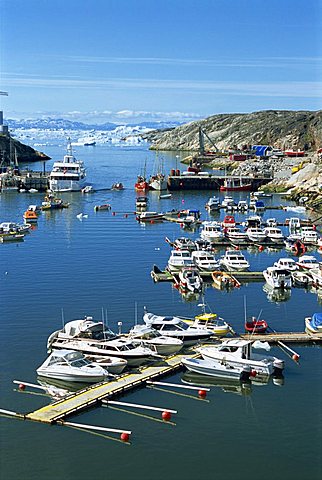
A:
158	185
66	185
212	368
277	282
70	377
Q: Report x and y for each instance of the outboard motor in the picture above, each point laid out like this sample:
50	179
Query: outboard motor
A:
278	368
245	374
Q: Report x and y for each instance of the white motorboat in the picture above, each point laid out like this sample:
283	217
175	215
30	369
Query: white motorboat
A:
239	353
13	228
68	175
96	339
210	321
217	368
158	182
212	232
179	259
234	260
286	264
235	234
274	234
309	235
119	347
228	201
306	262
190	279
68	365
176	328
184	243
149	217
114	365
301	278
153	339
314	323
242	206
204	260
316	274
256	234
278	277
213	205
271	222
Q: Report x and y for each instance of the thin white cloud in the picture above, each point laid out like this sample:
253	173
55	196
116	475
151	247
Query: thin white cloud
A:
305	89
264	62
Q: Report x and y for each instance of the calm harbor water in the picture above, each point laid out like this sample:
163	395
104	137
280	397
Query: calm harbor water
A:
103	263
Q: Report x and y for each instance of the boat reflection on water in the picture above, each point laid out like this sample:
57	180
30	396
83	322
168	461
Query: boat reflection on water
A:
58	389
277	295
232	385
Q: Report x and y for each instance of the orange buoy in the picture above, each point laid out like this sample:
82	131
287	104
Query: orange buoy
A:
166	416
295	357
125	437
202	393
22	386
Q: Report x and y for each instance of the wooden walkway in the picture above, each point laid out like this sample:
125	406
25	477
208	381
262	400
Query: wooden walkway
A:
92	395
165	276
289	337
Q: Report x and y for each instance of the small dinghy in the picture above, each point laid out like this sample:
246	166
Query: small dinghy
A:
256	326
105	206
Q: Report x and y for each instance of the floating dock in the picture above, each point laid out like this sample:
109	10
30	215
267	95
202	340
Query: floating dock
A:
92	395
165	276
289	337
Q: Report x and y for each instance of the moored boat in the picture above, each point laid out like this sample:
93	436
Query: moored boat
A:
314	323
278	278
68	175
189	279
68	365
254	325
104	206
234	260
224	280
217	368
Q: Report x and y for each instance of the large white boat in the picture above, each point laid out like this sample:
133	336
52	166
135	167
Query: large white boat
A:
68	365
286	264
278	278
307	262
210	321
234	260
212	231
204	260
274	234
256	234
179	259
68	175
316	274
309	235
176	328
235	234
239	353
151	338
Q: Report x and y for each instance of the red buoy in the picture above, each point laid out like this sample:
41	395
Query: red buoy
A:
237	247
261	248
295	357
22	386
166	416
253	373
202	393
125	437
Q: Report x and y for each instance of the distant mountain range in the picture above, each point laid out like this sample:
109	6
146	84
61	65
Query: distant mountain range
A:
61	123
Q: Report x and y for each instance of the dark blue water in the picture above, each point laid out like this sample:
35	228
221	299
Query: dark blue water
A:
103	263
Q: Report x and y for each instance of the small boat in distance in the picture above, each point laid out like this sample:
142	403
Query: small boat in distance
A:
30	215
105	206
117	186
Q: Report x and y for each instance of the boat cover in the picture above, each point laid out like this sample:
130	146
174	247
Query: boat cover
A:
316	320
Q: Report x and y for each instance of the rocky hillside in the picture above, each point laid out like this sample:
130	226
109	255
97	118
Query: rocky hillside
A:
282	129
9	147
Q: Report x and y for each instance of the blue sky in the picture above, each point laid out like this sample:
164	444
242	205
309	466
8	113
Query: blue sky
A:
123	60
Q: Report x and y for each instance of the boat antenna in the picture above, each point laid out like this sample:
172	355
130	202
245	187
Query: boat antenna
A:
136	313
245	315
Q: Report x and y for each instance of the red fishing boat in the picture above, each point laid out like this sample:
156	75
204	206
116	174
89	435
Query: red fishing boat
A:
256	326
141	184
236	185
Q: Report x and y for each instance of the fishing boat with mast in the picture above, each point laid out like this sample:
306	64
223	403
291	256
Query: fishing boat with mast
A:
142	185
